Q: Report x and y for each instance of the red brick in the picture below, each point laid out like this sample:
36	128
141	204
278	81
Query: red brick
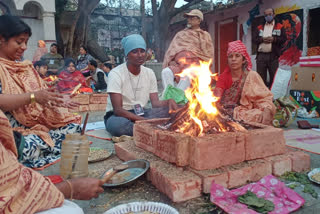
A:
248	171
82	99
172	147
93	107
75	109
239	174
264	142
178	184
99	95
300	161
214	151
153	121
123	153
83	108
99	99
280	164
102	107
144	135
219	176
260	169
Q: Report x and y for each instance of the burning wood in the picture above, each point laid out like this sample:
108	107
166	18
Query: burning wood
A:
202	114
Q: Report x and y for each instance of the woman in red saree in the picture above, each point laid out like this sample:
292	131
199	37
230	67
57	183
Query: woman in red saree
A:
70	78
242	91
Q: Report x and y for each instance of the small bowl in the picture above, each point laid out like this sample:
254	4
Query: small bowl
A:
140	207
136	169
313	172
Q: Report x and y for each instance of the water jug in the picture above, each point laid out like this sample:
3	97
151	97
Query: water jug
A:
74	156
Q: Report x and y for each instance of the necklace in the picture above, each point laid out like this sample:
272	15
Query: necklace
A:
134	91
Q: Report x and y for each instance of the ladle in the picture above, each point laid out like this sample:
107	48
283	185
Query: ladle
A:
113	171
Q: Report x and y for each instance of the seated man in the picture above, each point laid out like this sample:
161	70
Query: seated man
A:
130	86
191	43
53	59
169	74
23	190
242	91
97	75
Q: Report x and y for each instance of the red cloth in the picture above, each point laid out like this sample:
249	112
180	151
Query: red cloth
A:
70	80
239	47
224	80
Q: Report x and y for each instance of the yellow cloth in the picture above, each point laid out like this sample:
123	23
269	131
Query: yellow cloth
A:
198	42
21	77
254	99
22	190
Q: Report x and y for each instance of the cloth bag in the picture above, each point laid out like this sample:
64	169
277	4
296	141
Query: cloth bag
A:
176	94
284	109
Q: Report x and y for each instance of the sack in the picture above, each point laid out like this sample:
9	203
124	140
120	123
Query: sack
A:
176	94
281	83
284	109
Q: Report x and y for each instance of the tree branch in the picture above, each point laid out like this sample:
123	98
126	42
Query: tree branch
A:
184	7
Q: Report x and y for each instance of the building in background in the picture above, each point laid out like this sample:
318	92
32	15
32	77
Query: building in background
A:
39	15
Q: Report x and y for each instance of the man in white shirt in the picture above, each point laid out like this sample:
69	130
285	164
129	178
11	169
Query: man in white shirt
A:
130	86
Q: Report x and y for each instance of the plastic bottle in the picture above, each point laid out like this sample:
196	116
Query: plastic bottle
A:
74	156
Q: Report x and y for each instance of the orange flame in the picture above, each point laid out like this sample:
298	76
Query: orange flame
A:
202	102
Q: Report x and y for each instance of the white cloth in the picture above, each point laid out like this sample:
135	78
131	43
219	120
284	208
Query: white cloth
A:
135	89
95	75
267	32
68	207
167	77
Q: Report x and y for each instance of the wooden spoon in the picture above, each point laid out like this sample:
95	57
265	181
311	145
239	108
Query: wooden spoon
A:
113	171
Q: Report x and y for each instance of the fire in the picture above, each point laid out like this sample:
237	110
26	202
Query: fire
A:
203	116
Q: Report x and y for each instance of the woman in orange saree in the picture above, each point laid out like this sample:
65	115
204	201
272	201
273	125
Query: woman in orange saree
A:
242	91
37	113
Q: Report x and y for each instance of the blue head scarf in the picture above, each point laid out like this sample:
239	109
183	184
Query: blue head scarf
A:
132	42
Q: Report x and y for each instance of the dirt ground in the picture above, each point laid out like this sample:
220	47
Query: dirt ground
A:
143	190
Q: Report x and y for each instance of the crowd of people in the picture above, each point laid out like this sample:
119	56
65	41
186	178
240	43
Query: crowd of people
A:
33	122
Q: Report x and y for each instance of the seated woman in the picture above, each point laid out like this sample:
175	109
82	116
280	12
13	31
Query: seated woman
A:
70	78
242	91
33	110
131	86
83	61
23	190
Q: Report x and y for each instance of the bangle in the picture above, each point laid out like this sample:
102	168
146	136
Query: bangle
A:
71	189
32	98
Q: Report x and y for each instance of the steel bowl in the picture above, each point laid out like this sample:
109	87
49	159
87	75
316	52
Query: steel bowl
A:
136	169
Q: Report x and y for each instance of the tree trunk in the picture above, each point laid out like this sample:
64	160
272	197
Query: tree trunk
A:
143	19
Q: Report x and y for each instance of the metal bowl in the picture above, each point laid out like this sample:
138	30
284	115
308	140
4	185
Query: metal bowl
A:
136	169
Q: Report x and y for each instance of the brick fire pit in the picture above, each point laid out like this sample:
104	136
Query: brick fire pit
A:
210	151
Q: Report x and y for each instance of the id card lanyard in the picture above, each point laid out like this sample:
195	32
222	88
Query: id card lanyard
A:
134	91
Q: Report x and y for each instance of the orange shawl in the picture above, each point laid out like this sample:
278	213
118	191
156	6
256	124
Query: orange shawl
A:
196	41
22	190
21	77
254	99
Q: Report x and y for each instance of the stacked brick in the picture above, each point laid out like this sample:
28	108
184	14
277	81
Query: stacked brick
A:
90	102
183	167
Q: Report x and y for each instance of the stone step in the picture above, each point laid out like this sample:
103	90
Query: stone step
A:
184	183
